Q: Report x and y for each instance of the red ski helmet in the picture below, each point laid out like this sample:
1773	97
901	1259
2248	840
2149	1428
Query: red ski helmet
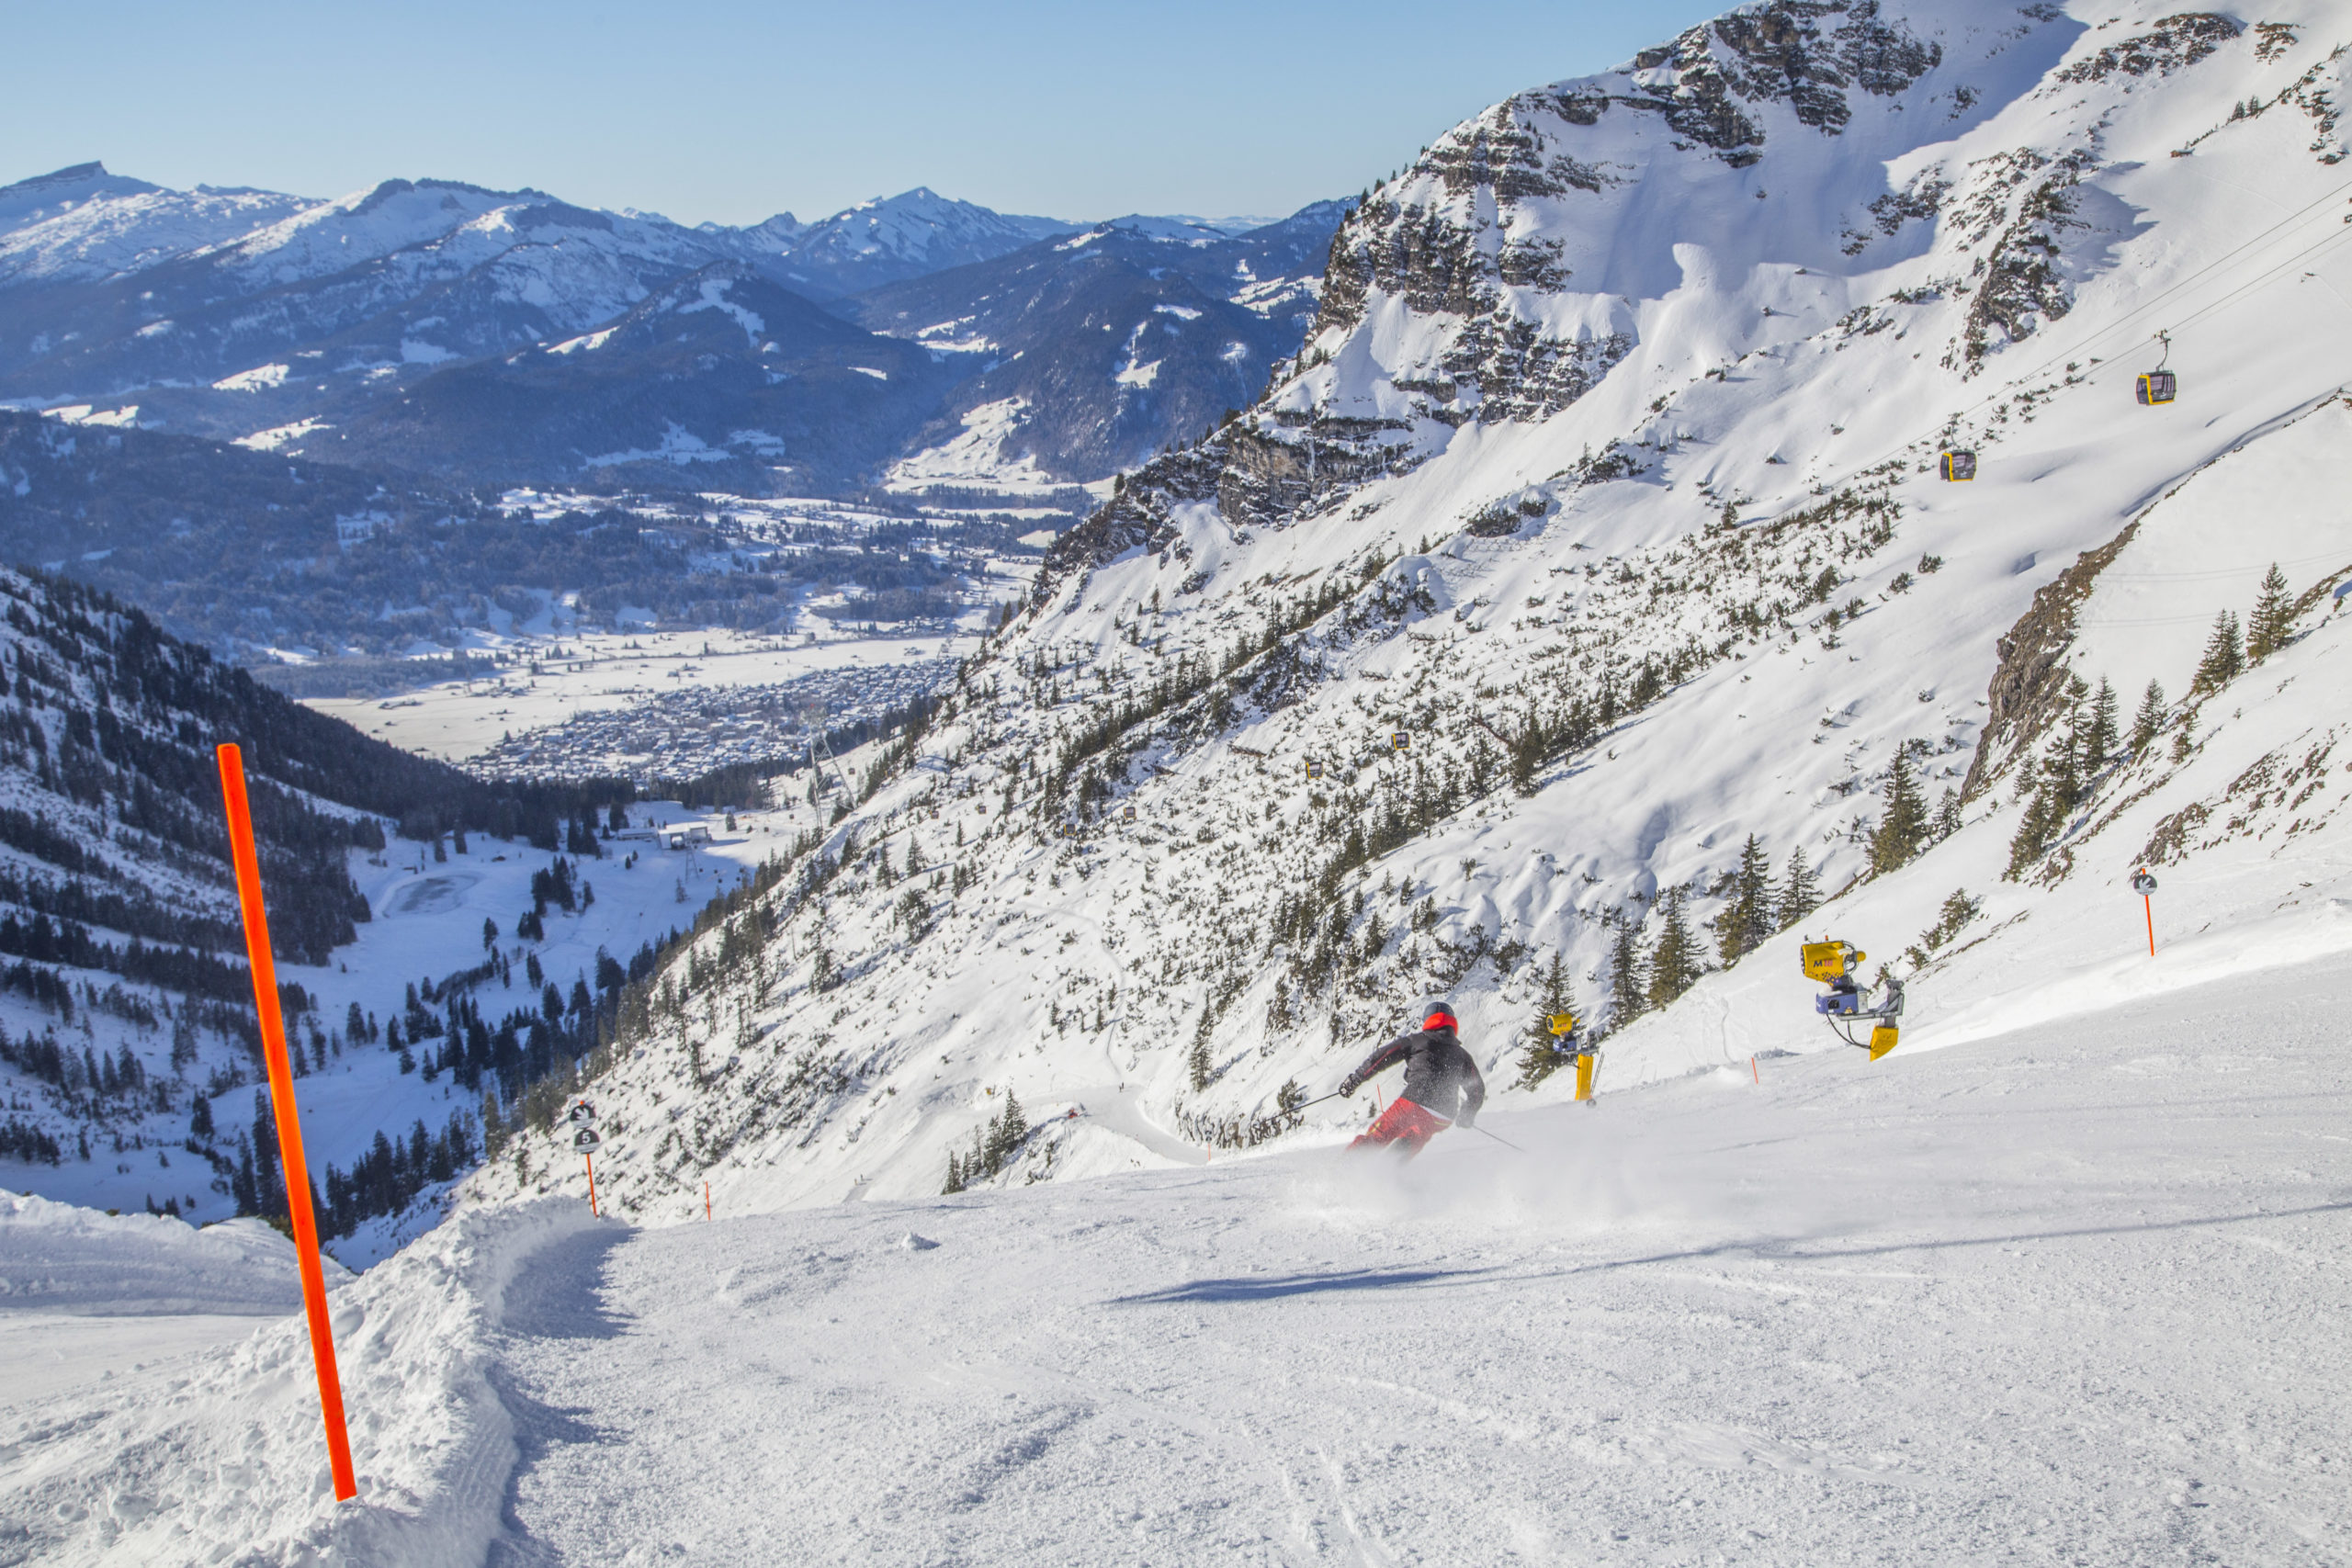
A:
1438	1015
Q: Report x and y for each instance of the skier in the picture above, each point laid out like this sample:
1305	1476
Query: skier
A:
1442	1084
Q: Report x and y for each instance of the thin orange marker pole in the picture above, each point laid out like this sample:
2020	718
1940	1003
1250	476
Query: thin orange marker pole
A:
705	1200
290	1120
590	1160
1752	1072
2151	906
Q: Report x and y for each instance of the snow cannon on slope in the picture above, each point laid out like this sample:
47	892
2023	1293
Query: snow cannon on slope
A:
1834	964
1564	1035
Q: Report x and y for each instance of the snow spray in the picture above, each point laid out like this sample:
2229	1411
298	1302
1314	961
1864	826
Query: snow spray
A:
290	1120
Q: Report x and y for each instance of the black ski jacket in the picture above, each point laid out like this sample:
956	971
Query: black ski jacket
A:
1439	1074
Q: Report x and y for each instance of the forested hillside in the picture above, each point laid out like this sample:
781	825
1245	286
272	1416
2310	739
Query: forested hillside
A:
126	1003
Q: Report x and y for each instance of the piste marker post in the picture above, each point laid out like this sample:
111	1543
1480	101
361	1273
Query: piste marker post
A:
290	1118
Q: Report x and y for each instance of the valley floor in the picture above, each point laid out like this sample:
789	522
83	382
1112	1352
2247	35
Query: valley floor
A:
2071	1294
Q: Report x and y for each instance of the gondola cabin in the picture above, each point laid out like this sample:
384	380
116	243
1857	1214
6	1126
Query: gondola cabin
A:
1400	742
1127	815
1959	465
1314	770
2157	387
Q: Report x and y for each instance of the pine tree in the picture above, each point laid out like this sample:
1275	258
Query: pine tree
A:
2273	612
1542	1055
1903	827
1799	892
1746	920
2223	657
2044	813
2149	720
1674	961
1527	755
1197	1063
1628	998
1005	1134
1947	816
2103	735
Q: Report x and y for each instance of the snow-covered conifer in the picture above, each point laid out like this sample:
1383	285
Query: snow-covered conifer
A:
1903	828
1746	920
2149	720
1628	995
2273	612
2224	655
1800	889
1674	960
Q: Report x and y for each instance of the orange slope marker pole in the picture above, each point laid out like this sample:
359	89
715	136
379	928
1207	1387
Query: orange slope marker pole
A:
290	1120
591	1182
2150	902
705	1200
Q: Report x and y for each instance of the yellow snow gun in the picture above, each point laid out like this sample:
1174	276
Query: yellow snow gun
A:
1564	1028
1834	964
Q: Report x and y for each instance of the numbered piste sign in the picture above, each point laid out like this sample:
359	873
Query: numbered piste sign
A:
2142	883
585	1139
581	1114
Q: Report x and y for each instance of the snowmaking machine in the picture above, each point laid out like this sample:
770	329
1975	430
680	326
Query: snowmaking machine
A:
1564	1035
1834	964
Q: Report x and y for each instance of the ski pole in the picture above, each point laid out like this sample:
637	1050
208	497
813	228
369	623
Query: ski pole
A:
1498	1138
1297	1108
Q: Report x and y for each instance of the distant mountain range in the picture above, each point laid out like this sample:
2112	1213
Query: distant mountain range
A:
502	337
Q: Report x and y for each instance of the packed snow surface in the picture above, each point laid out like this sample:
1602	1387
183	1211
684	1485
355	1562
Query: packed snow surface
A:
88	1296
2069	1295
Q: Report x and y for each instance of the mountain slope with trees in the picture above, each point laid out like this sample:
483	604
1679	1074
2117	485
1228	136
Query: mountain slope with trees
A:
1584	601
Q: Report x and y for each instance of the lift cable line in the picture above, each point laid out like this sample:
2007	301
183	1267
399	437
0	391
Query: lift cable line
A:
2082	346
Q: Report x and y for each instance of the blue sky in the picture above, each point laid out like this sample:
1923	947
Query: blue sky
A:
733	111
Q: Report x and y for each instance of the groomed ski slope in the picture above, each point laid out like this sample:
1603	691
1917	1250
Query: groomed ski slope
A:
2071	1293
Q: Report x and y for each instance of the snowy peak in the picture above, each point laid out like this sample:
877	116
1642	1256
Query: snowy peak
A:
891	238
29	201
1789	163
360	228
82	223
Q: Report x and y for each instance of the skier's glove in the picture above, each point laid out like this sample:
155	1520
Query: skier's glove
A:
1348	1087
1468	1118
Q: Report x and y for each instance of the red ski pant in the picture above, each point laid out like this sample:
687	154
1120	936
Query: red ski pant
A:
1403	1123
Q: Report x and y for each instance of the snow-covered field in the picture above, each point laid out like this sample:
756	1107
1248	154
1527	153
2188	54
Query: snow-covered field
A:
87	1297
2070	1293
606	673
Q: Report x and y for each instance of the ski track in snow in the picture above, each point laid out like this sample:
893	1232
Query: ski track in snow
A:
2070	1294
2062	1296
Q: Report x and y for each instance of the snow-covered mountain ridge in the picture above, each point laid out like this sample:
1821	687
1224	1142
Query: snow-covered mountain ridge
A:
1607	482
309	329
